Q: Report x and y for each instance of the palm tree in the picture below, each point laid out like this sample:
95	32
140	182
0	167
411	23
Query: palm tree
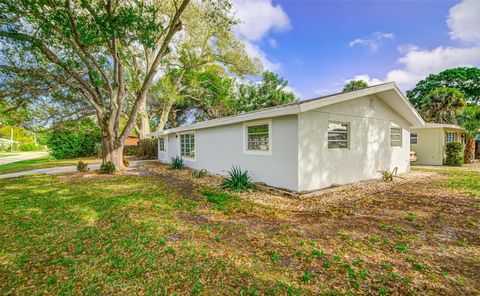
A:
469	119
354	85
442	104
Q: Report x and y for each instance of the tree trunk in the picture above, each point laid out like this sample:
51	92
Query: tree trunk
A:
144	122
144	130
469	155
113	153
165	114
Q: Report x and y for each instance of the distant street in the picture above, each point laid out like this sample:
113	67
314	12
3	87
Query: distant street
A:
21	156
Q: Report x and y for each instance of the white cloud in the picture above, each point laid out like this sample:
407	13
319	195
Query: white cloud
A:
415	63
373	43
464	21
406	48
365	77
253	50
273	42
294	91
258	17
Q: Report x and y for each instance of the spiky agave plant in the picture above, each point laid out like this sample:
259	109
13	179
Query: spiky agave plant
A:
177	163
237	180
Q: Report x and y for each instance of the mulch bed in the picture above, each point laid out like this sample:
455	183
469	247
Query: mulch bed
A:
317	201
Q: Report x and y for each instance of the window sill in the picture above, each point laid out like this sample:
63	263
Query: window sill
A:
257	152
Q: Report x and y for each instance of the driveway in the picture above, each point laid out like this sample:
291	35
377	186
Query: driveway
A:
22	156
68	169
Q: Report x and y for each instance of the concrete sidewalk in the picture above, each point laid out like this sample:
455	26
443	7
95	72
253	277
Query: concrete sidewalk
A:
19	156
68	169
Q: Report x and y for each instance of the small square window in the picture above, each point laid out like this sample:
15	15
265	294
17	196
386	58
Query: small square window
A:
257	138
450	137
413	138
395	137
338	135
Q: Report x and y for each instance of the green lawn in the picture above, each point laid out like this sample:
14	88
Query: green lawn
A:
39	163
143	235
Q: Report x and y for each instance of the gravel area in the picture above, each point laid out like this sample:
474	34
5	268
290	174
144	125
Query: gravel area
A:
317	201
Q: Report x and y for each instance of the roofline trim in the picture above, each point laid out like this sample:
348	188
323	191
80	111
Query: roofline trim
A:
292	109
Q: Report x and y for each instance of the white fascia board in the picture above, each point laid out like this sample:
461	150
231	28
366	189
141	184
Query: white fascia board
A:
261	114
417	120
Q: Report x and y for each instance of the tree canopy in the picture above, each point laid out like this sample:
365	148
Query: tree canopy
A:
93	56
442	105
466	80
270	91
354	85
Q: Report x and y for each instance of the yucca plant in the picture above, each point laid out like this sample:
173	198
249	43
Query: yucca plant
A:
387	176
177	163
237	180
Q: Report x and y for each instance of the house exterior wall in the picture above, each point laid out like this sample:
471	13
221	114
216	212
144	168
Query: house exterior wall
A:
429	147
217	149
369	151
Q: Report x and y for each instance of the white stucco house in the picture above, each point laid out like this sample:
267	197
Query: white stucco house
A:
307	145
429	141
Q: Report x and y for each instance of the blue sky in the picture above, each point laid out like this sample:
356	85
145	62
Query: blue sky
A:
318	45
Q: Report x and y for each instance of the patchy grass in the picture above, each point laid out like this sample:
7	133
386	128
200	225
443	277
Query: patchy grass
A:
467	182
40	163
146	235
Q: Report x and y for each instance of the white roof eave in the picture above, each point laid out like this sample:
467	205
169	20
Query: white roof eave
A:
413	116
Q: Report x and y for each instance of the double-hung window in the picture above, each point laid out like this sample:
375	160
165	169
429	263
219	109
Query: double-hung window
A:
395	137
413	138
187	145
161	144
258	137
338	135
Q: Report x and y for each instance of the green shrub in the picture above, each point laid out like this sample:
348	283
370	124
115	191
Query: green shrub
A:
130	151
199	174
74	139
107	168
27	147
454	151
177	163
147	148
237	180
82	166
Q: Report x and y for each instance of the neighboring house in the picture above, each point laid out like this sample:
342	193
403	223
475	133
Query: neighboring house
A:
430	140
131	141
307	145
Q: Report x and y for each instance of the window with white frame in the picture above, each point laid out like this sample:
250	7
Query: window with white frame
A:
413	138
449	137
395	137
161	144
258	137
187	145
338	135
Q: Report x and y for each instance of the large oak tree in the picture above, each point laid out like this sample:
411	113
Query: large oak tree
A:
86	50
